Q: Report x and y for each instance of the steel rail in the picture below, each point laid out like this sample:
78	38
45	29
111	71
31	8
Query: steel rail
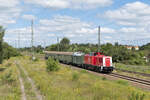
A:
145	82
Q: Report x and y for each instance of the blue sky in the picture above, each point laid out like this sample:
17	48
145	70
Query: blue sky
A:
120	21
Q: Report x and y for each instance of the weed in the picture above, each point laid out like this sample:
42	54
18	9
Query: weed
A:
104	78
8	64
52	65
122	82
75	76
8	78
136	96
68	84
83	71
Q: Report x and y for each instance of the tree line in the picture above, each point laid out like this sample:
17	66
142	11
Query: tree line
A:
119	52
6	51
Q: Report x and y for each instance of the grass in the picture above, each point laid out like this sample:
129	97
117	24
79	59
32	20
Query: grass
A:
75	76
9	82
30	95
142	69
69	84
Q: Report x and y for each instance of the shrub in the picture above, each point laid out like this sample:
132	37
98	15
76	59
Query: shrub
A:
122	82
52	65
75	76
8	77
104	78
84	71
8	64
136	96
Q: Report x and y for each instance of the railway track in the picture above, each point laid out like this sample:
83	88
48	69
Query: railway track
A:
139	73
133	79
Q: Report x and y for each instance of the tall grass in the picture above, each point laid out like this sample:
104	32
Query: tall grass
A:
75	76
9	82
69	84
136	96
135	68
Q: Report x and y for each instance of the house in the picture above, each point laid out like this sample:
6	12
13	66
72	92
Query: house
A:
132	47
136	47
129	47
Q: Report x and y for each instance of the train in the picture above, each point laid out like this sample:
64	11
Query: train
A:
94	61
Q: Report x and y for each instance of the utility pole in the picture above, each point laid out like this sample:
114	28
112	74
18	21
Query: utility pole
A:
32	33
44	45
18	39
58	43
15	43
99	31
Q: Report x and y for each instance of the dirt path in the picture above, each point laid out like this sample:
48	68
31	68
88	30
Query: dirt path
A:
22	87
36	91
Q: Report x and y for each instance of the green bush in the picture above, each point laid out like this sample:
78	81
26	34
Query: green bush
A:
84	71
104	78
9	51
136	96
8	77
75	76
8	64
52	65
122	82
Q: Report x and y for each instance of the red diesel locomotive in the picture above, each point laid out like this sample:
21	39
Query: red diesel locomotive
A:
98	62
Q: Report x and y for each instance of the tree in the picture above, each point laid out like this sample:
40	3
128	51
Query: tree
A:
53	47
2	32
64	44
38	49
9	51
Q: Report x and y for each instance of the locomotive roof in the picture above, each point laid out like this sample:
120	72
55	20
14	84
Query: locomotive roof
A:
56	52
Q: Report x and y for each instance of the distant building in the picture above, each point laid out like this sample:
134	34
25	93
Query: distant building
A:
136	47
132	47
129	47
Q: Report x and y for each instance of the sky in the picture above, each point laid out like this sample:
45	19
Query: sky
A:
124	21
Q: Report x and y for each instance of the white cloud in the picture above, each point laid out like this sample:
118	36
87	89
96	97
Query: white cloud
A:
60	26
108	30
8	3
131	14
29	17
74	4
49	3
9	11
65	24
132	20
